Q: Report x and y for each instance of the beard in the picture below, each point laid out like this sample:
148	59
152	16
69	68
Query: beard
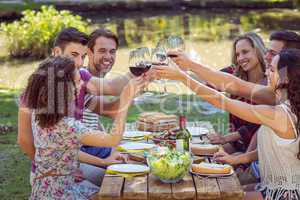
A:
102	70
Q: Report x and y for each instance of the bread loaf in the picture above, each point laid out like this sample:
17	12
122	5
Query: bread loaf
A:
211	168
204	149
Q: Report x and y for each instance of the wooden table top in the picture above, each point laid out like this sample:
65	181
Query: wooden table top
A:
191	187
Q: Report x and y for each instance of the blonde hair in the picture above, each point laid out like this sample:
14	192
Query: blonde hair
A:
260	49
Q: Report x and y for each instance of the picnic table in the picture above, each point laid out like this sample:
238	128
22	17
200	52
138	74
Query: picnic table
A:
191	187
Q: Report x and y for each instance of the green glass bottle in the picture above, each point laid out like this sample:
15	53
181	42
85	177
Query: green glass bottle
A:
183	136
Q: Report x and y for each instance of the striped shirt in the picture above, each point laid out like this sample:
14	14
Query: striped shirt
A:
91	119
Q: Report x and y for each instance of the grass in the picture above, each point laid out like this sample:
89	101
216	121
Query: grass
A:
15	166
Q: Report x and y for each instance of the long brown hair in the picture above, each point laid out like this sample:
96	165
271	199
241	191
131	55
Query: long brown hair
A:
260	49
289	61
51	90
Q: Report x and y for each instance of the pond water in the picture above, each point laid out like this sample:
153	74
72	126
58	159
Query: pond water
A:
208	36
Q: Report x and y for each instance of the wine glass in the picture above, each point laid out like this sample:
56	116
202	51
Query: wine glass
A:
139	63
175	43
171	43
159	57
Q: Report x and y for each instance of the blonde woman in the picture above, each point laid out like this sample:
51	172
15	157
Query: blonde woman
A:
248	52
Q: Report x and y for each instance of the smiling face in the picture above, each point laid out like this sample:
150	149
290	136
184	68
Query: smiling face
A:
74	51
246	56
103	55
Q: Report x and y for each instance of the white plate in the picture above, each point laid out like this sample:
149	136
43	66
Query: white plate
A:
198	131
137	146
213	175
134	134
129	168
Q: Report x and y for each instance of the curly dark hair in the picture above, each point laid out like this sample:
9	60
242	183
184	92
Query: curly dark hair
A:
289	61
51	90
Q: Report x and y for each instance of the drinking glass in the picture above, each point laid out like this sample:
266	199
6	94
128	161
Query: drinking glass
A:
139	63
175	43
160	56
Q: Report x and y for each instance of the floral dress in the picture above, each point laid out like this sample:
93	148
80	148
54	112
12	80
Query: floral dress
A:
57	153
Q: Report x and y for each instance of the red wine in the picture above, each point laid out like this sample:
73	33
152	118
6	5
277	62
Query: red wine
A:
172	55
140	69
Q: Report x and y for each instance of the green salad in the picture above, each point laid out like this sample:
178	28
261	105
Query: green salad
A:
169	165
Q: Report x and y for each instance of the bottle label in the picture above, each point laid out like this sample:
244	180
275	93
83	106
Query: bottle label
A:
180	145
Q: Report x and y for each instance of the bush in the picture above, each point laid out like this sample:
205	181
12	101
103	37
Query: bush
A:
33	35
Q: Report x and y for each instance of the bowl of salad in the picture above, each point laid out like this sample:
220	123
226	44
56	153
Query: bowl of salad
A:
169	165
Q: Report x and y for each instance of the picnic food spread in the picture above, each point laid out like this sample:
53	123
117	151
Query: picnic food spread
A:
166	161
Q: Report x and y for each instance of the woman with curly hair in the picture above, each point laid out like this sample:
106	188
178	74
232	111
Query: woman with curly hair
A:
50	94
278	138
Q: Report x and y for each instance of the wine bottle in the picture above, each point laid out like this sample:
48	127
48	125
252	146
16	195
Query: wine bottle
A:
183	136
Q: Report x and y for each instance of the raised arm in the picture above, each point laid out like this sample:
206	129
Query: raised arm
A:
113	139
226	82
25	137
104	107
258	114
104	86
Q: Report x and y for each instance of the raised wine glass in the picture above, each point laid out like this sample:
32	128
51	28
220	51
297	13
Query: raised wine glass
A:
139	63
171	43
175	43
159	57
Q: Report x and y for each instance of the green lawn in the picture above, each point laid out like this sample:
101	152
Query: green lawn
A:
15	166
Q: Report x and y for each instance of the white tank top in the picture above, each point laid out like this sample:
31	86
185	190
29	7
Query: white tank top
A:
279	165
